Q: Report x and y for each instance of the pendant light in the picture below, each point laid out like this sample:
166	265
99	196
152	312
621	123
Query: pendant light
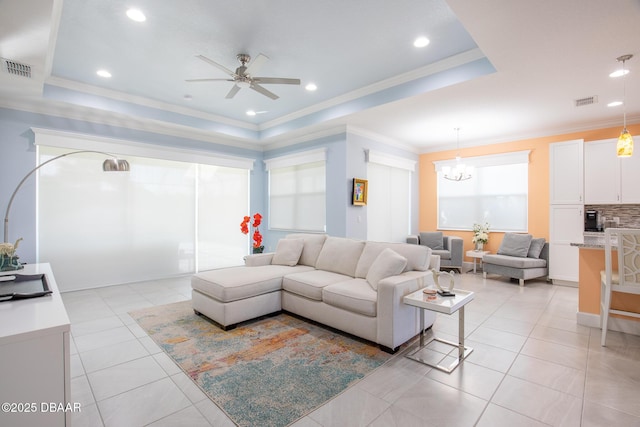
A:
625	142
461	172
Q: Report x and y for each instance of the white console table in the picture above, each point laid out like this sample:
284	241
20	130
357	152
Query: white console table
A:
35	357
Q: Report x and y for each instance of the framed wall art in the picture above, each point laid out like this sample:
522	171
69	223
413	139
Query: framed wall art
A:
359	192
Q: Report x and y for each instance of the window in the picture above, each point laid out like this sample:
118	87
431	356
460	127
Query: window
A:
497	193
297	192
161	219
389	194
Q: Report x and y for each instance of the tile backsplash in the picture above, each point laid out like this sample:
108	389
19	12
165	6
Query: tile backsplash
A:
629	214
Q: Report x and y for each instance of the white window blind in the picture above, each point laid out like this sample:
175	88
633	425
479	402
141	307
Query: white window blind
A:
497	193
161	219
297	191
389	203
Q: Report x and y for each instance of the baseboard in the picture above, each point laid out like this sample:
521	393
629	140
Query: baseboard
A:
569	283
588	319
619	324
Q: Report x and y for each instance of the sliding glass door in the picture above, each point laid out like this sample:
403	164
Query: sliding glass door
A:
163	218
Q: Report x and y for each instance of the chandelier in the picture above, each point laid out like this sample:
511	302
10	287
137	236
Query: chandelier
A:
460	172
625	142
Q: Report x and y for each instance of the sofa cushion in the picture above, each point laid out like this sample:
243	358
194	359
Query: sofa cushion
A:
388	263
515	244
236	283
432	239
512	261
535	249
418	257
288	252
312	247
309	284
340	255
353	295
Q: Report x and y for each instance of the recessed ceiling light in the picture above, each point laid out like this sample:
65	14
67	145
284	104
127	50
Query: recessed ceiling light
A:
136	15
421	42
614	104
619	73
251	113
311	87
104	73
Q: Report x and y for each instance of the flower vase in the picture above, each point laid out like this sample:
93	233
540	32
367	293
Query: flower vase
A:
9	263
258	250
479	246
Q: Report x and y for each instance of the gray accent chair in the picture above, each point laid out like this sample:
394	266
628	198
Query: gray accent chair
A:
449	248
520	256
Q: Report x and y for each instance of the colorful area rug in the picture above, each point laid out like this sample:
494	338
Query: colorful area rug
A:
267	372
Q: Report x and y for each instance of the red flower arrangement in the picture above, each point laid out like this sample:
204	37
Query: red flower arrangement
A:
257	237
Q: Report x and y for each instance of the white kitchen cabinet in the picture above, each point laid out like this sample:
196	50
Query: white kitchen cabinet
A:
566	173
566	227
602	173
609	179
35	376
630	177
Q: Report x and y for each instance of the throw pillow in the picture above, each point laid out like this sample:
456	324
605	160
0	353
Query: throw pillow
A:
514	244
432	239
388	263
288	252
536	248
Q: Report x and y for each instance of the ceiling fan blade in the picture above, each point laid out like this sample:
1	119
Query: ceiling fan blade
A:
276	80
256	64
233	92
263	91
208	80
215	64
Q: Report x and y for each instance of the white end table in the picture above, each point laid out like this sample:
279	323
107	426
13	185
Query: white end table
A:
446	305
476	255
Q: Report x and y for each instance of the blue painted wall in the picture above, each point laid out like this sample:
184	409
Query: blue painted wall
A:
345	161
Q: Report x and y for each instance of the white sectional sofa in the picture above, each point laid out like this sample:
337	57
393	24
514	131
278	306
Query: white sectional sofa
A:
354	286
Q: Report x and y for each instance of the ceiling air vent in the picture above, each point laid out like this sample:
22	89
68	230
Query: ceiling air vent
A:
16	68
586	101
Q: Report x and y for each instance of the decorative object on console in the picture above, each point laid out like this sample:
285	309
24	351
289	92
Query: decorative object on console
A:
360	191
257	237
461	172
8	257
112	164
480	235
625	142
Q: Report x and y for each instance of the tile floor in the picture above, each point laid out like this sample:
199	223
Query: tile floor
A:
532	365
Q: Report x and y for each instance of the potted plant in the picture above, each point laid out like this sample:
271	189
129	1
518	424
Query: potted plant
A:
8	257
480	235
258	248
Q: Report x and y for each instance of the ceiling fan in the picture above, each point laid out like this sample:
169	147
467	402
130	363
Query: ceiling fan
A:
243	76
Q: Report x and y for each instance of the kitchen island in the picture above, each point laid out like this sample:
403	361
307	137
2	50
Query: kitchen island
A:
591	262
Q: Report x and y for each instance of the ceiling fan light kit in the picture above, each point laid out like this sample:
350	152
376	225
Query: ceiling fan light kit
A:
243	76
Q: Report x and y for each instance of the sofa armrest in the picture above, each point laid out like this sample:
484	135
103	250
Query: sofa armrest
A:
413	239
397	321
256	260
455	245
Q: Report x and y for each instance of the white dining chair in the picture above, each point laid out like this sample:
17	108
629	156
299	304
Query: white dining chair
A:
624	280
